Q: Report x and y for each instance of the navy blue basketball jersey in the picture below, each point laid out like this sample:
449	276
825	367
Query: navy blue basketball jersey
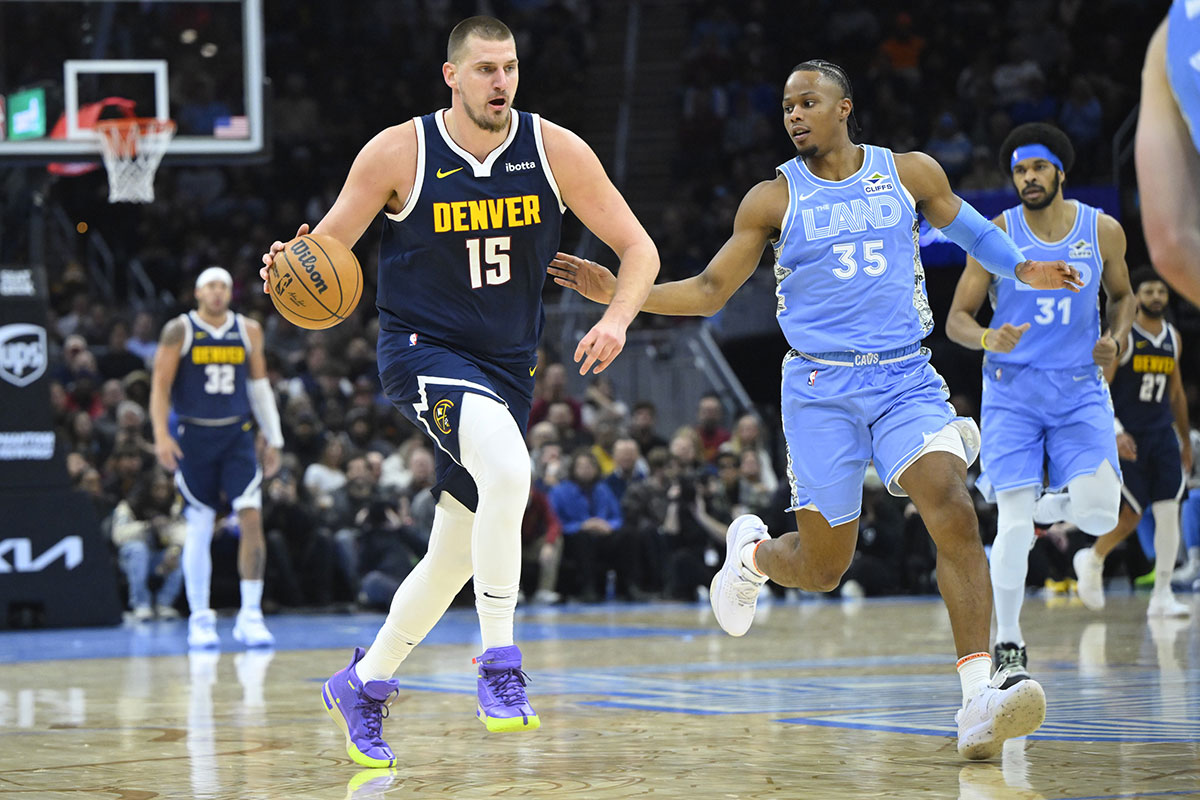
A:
1064	326
213	369
463	262
1140	389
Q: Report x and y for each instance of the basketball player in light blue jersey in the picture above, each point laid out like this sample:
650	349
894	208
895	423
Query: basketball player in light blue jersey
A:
210	376
1167	151
471	199
857	386
1045	400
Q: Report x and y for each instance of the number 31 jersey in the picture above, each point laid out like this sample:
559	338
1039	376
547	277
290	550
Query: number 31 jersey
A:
1063	326
463	262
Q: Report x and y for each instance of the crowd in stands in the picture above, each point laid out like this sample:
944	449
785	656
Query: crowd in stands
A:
620	508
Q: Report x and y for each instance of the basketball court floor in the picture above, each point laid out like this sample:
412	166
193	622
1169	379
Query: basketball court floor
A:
821	699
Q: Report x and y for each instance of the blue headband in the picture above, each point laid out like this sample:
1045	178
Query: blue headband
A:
1034	151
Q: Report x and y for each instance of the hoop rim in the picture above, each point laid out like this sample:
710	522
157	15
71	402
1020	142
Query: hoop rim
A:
127	123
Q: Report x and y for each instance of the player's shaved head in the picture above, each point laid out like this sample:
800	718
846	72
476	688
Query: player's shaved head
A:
487	28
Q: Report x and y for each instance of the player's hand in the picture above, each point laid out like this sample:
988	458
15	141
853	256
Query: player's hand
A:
1126	447
600	345
271	460
269	257
592	280
1049	275
167	451
1005	338
1105	351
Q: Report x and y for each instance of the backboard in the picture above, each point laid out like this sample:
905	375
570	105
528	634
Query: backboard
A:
66	63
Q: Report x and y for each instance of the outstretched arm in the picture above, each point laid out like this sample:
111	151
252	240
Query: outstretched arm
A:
1168	173
166	364
962	224
758	218
961	326
588	192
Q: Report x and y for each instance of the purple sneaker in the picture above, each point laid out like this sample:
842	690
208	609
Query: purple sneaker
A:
503	705
359	710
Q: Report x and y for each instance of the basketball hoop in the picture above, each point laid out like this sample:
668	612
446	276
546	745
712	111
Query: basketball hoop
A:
132	149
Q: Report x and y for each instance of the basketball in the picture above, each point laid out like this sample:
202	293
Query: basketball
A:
315	281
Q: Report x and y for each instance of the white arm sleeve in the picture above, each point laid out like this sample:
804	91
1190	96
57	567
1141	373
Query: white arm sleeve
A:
262	401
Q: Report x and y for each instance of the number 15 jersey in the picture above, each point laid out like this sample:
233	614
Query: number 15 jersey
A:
1063	325
463	263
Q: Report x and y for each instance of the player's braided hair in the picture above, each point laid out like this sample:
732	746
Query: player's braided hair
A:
838	76
1041	133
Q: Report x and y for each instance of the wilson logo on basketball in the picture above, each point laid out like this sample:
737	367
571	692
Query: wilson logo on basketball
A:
308	260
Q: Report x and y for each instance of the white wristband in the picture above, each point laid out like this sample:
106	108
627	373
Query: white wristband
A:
1118	428
262	401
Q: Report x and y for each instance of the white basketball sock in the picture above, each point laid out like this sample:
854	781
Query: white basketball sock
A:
196	558
1166	542
425	594
974	672
251	591
494	452
1010	559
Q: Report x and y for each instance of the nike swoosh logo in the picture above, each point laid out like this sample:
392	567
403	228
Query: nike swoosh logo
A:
497	597
532	370
441	174
810	194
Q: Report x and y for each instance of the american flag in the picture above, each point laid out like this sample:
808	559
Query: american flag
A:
232	128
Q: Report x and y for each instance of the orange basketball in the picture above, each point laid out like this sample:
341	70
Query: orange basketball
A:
315	281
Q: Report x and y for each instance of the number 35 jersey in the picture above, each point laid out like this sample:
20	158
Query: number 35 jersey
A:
463	263
1141	390
1063	326
210	383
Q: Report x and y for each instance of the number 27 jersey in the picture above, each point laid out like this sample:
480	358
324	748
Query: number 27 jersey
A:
463	262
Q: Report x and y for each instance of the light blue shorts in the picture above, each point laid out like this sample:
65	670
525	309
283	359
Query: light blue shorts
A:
1056	423
838	419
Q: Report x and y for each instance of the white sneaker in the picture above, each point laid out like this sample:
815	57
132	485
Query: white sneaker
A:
1164	604
202	630
1187	573
142	614
1089	578
546	597
994	715
166	612
251	631
734	590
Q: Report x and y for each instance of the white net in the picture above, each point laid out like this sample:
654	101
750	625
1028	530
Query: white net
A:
132	150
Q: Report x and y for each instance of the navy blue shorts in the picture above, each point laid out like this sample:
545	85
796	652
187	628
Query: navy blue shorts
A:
426	382
218	460
1158	472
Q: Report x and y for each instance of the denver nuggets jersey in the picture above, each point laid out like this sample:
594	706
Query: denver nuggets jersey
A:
1141	390
1183	43
847	267
463	262
1064	326
213	369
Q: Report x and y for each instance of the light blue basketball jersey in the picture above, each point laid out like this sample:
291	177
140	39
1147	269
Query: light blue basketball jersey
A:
1063	325
847	266
1183	68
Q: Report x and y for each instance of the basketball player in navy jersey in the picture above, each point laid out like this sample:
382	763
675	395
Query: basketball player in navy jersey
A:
210	374
858	386
1152	415
1046	412
1167	151
473	198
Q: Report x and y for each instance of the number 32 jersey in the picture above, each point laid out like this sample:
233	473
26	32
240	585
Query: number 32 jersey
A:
463	263
210	383
1063	326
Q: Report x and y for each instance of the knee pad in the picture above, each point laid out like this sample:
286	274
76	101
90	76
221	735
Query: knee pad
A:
1096	500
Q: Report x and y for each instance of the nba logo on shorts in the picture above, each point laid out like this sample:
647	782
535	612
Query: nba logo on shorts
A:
441	414
812	378
412	339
